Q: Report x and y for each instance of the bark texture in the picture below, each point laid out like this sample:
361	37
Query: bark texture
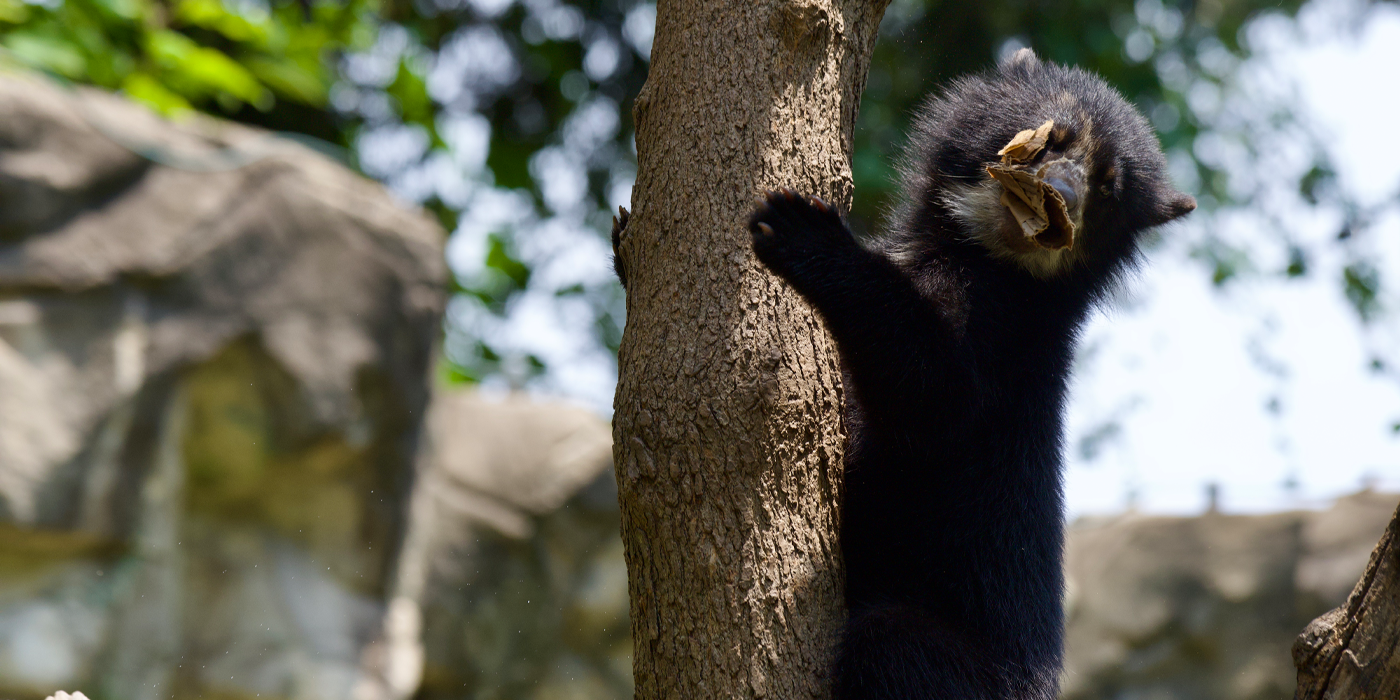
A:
1353	652
728	440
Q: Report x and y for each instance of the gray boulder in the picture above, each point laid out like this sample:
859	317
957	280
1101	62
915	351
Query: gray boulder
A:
214	358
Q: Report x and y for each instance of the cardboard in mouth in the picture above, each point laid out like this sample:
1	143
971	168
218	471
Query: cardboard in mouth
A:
1038	208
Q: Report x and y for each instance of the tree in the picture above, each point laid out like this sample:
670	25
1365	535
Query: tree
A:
727	432
1353	652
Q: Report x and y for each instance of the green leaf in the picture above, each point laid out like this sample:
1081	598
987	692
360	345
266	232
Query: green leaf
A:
1226	262
199	71
14	12
412	93
1362	283
446	216
1297	262
105	64
145	88
499	259
47	53
454	374
509	161
291	80
1319	177
133	10
211	14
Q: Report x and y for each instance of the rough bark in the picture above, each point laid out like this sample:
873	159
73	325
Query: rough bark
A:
728	440
1353	652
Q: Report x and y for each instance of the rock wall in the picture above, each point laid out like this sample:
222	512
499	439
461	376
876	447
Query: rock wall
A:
214	357
1207	608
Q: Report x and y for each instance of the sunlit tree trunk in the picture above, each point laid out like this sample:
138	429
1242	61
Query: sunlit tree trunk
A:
728	438
1353	652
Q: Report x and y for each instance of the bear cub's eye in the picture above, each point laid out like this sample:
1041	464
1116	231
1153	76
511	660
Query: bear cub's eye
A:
1106	189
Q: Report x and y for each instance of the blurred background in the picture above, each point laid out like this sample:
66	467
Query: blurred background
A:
308	335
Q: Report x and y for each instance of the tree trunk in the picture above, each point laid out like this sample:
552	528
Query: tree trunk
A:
728	440
1353	652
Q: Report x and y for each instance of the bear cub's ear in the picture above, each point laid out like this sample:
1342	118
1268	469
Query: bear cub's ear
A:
1174	206
1023	58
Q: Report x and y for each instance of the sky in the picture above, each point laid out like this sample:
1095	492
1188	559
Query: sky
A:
1175	380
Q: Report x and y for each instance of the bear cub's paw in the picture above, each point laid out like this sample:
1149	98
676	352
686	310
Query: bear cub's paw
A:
619	225
792	232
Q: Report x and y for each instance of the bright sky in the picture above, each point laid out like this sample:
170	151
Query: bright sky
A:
1175	365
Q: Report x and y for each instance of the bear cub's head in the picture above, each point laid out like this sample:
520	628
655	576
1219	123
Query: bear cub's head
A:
1045	166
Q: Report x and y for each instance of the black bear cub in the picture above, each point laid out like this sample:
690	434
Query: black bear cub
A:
1027	193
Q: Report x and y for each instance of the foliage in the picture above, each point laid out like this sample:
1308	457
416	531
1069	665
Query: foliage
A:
248	60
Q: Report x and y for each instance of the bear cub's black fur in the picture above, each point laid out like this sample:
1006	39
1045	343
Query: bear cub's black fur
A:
956	337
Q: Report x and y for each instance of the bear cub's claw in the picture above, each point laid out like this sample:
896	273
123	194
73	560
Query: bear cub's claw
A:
791	231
